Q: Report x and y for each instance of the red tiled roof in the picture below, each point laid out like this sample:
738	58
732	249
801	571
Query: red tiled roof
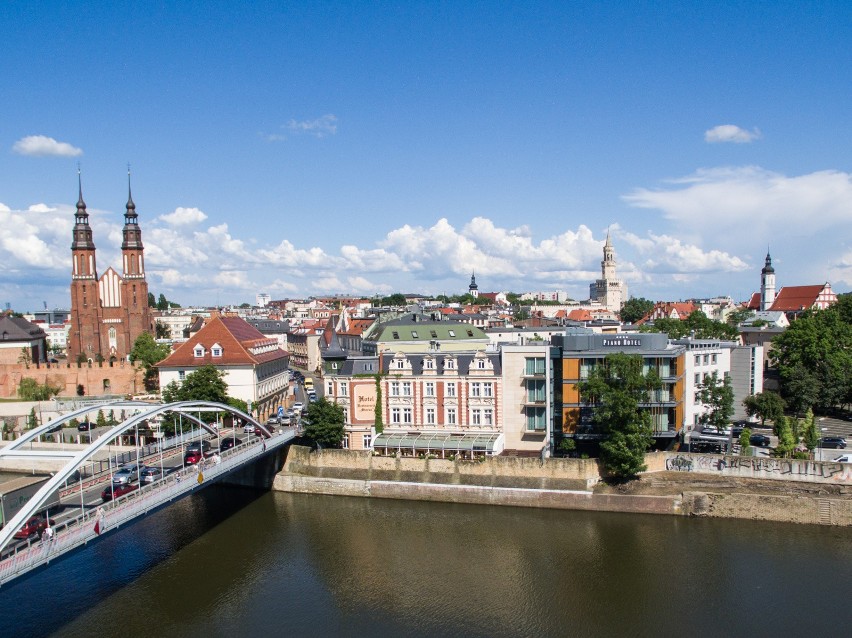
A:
580	314
234	335
754	302
793	298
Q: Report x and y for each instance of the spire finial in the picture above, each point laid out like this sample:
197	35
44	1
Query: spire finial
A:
130	205
81	205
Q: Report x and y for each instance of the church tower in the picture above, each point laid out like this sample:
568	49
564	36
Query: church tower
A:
108	312
767	284
473	289
608	291
85	320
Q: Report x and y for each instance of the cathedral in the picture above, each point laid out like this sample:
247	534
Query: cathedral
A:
608	291
108	312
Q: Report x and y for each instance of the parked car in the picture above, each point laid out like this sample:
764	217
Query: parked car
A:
759	440
297	406
33	527
114	491
127	473
312	397
85	426
248	428
833	442
151	474
199	446
228	443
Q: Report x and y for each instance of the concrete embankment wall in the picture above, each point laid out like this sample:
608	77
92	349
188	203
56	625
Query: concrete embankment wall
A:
556	484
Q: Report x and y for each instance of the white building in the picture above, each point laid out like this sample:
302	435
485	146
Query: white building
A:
608	291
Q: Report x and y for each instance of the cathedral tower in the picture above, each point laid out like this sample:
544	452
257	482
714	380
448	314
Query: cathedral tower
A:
767	284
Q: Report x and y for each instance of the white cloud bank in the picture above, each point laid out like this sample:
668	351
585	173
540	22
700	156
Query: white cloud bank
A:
730	133
43	146
320	127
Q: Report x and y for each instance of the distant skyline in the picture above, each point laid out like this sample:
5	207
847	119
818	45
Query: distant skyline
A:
369	148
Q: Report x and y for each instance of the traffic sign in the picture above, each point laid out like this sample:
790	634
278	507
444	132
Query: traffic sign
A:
280	410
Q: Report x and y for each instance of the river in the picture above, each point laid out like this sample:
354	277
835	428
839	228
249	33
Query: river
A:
235	562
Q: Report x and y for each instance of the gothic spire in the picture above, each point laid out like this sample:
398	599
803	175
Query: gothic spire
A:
81	205
131	207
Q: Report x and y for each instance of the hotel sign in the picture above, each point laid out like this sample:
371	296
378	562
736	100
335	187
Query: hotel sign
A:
365	401
620	343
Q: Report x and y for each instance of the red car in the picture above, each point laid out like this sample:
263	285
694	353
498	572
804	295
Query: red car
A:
192	457
114	491
33	527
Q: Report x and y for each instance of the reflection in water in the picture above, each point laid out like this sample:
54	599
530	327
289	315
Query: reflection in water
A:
227	563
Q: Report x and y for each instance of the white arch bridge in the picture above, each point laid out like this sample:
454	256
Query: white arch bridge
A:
71	499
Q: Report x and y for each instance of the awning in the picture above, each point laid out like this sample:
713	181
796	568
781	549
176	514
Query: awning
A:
440	441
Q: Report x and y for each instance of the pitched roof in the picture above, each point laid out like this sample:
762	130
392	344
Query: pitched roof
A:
754	302
241	343
793	298
19	329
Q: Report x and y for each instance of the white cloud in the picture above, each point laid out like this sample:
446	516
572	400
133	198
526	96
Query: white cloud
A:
320	127
730	133
43	146
666	254
183	216
841	271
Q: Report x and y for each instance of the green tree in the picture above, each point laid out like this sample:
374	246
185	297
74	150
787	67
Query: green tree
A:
635	308
31	390
162	302
697	324
207	383
766	405
810	433
379	423
396	299
616	388
745	442
736	317
152	301
718	395
73	423
32	420
162	330
786	441
25	357
325	423
147	353
101	421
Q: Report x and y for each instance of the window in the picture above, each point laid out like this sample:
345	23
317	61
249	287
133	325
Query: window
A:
713	358
198	351
450	364
395	334
344	389
451	416
406	415
488	416
430	416
414	334
706	359
216	351
345	442
488	389
181	375
535	419
475	390
429	364
535	390
476	417
394	388
434	334
367	440
698	359
406	389
470	333
452	333
395	415
429	388
534	366
480	364
697	378
451	389
329	388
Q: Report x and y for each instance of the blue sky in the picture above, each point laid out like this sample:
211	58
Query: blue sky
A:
364	148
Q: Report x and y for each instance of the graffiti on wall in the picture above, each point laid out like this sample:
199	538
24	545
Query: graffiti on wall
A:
760	467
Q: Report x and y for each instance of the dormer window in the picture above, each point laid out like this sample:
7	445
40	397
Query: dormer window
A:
198	351
216	350
450	364
414	334
395	335
429	364
452	333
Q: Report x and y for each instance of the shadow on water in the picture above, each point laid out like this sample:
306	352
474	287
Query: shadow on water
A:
44	601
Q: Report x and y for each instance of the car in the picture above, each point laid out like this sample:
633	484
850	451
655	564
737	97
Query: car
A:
192	457
228	443
248	428
284	420
199	446
736	430
127	473
759	440
273	420
114	491
312	398
833	442
85	426
297	406
34	526
151	475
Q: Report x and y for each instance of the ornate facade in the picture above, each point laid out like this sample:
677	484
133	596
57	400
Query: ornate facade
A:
608	291
108	312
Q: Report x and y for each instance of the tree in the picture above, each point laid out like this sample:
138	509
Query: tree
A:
25	357
207	383
697	324
766	405
152	301
635	308
325	423
32	420
745	442
162	302
147	352
810	434
786	441
101	420
379	424
162	330
718	395
736	317
32	390
616	388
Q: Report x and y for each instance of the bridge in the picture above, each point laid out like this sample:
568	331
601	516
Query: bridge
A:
74	490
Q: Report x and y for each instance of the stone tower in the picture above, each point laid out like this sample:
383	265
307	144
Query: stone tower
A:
767	284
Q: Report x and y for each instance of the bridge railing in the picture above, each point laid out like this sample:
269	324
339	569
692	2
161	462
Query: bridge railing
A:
78	531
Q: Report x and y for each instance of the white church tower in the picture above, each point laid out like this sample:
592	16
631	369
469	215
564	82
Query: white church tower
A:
609	291
767	284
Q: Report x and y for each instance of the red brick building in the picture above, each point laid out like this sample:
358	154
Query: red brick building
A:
108	312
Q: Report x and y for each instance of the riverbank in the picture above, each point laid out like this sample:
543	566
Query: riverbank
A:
569	484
